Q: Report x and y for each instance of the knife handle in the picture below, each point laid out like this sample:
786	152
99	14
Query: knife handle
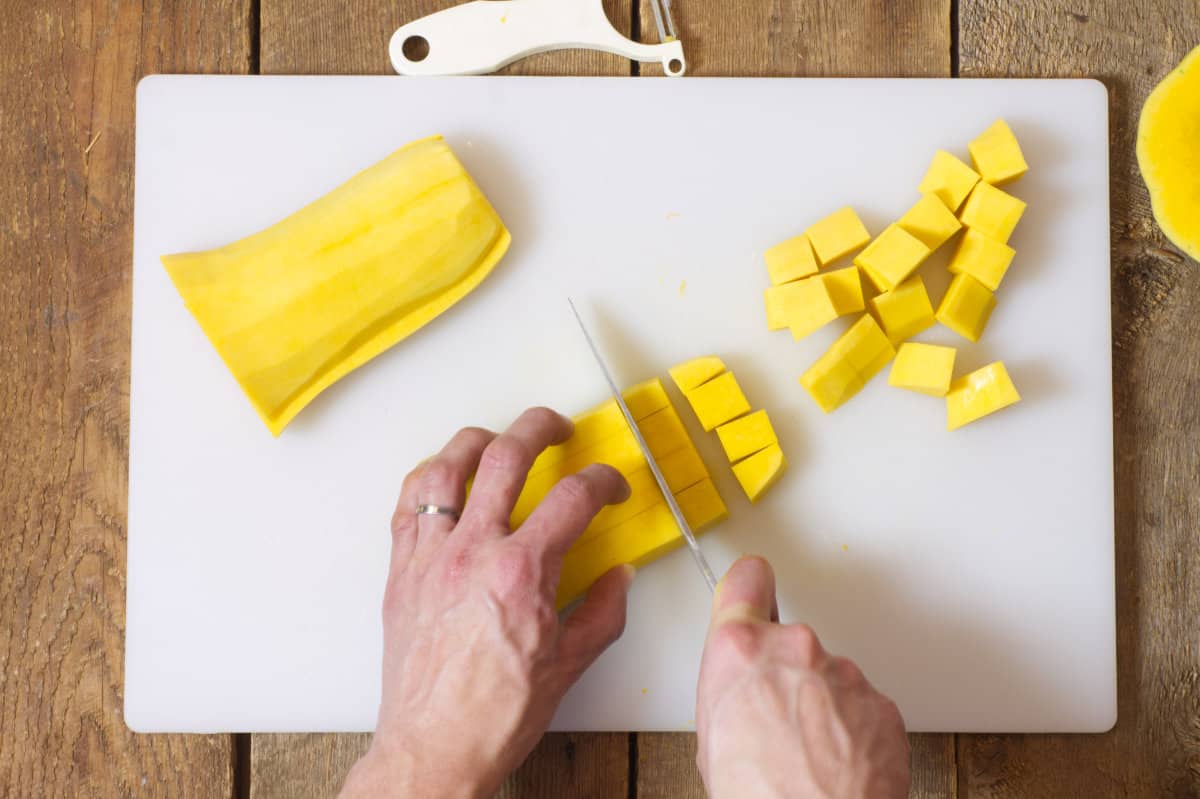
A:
484	35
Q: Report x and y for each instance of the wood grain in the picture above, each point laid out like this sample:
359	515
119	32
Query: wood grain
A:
306	37
1154	750
67	78
302	766
666	766
314	37
766	38
798	38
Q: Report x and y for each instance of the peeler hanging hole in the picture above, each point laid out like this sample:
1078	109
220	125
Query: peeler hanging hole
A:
675	67
415	48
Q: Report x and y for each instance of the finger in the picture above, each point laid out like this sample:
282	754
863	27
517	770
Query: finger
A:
444	482
404	521
746	592
571	505
844	671
506	461
596	623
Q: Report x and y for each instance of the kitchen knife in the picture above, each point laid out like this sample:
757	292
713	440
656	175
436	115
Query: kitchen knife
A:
684	527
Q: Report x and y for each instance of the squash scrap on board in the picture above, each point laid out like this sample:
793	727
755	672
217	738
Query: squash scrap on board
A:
295	307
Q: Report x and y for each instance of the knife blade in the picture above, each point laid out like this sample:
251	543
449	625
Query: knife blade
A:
705	570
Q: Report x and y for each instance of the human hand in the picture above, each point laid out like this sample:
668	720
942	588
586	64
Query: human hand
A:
776	715
475	659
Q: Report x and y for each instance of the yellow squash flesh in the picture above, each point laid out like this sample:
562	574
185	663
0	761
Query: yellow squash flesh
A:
295	307
642	528
1168	150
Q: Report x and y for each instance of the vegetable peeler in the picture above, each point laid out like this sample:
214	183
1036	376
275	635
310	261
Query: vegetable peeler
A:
484	35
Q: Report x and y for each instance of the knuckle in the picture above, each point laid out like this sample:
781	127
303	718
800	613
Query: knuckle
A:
848	672
404	521
412	480
437	475
514	571
804	642
741	640
575	489
541	416
506	453
470	435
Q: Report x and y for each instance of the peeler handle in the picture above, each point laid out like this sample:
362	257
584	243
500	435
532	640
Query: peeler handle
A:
484	35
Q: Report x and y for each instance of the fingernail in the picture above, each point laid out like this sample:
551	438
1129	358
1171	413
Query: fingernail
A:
629	572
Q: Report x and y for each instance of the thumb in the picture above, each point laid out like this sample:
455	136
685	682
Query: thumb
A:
746	592
596	623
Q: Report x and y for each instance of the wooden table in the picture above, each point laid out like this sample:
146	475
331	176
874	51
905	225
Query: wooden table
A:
66	198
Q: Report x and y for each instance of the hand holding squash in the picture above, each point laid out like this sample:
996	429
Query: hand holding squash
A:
475	658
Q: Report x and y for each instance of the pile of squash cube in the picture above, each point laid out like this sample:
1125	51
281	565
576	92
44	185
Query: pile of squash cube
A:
808	289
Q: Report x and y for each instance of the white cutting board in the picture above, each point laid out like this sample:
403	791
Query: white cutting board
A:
970	574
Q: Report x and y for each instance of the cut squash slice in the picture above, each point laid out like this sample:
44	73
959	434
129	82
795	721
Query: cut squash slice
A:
297	306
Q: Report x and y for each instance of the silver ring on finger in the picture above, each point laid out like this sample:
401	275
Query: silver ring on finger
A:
437	510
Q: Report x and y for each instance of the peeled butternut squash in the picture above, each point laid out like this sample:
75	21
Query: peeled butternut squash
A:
295	307
1168	150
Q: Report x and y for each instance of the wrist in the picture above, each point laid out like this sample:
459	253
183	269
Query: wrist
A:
389	771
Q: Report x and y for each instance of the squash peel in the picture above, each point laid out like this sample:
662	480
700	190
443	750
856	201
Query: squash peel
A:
1168	151
295	307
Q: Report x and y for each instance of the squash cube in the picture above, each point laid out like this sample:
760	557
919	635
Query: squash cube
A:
836	235
892	256
925	368
930	221
992	212
949	179
996	154
702	507
848	364
760	471
682	468
663	432
873	277
791	260
692	373
979	393
746	436
803	305
966	307
845	290
718	401
983	258
904	311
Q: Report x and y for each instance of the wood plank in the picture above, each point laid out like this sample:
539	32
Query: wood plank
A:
67	77
855	38
666	762
584	765
314	37
1155	747
666	766
798	38
302	766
